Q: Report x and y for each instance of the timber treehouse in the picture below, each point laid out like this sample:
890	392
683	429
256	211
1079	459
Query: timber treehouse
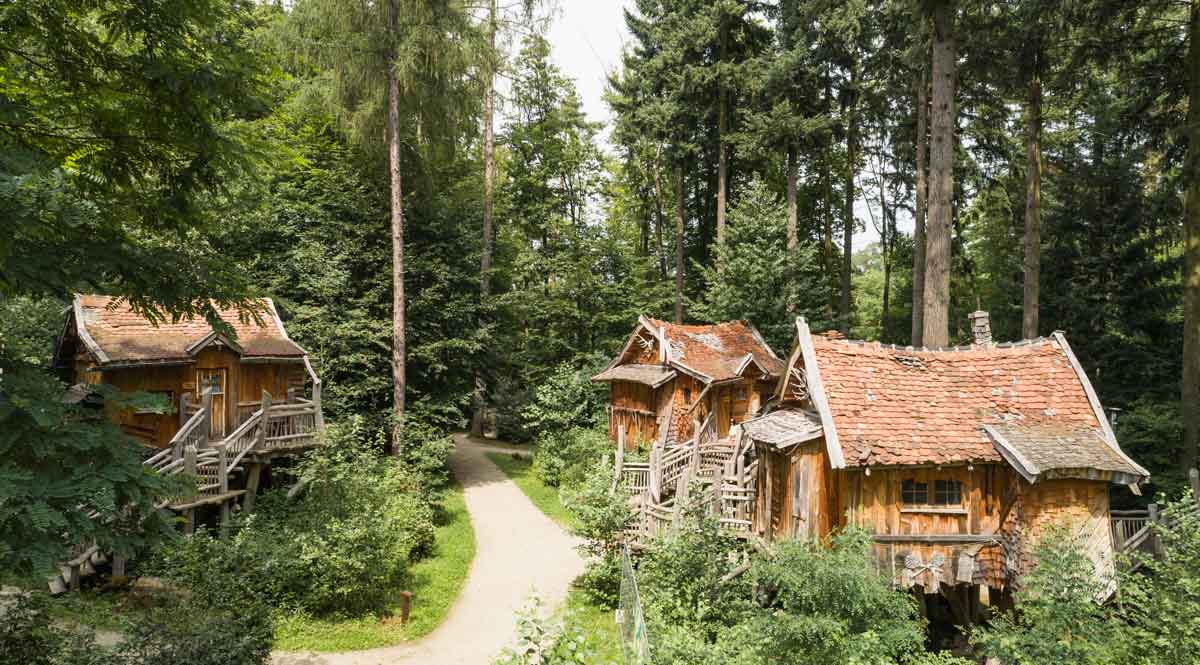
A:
957	460
670	378
239	402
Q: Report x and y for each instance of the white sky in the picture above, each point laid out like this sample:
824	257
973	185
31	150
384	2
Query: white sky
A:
587	37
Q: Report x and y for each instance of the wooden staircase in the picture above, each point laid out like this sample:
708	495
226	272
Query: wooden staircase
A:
272	430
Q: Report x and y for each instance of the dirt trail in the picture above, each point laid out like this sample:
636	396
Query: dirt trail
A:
519	551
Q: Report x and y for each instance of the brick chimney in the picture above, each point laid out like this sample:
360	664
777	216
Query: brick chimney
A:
981	327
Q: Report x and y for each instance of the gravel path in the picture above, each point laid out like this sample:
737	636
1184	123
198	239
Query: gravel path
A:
519	551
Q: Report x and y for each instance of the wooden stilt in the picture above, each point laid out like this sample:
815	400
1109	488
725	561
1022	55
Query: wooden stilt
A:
189	524
252	479
118	565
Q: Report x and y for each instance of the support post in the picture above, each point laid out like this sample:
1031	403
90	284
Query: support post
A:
263	422
1155	540
656	472
206	404
620	458
189	521
223	479
118	565
318	417
252	479
291	395
1194	477
183	408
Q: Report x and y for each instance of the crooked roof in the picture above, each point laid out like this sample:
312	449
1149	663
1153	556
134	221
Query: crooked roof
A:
116	335
784	428
718	352
1060	451
650	375
889	405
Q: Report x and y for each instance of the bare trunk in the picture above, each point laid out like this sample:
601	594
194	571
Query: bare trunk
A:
936	325
848	209
485	254
887	239
659	221
679	243
398	350
793	237
918	278
1191	270
1033	210
722	131
827	251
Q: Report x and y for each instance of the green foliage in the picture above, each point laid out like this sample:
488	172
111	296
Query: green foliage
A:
191	630
341	546
827	603
547	642
565	399
565	457
1151	432
754	277
1162	605
424	452
58	461
1058	618
601	518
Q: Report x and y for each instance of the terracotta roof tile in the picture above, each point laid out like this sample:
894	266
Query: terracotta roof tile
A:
127	337
898	406
718	350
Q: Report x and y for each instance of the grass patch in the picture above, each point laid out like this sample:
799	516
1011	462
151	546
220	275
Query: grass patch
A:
436	583
599	624
545	497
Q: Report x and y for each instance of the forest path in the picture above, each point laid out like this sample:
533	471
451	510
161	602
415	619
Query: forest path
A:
519	551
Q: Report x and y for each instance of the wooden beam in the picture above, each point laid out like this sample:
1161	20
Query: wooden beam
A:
816	391
943	538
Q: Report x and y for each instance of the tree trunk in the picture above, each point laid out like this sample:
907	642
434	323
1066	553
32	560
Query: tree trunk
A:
848	209
936	324
485	254
918	279
1033	208
887	239
658	217
398	350
1191	270
722	131
793	236
679	243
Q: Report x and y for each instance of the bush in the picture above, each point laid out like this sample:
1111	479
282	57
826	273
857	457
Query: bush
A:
565	400
342	546
1057	617
509	399
424	451
192	631
564	457
542	642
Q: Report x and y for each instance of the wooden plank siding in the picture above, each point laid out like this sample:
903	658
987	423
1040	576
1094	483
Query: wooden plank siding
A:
244	382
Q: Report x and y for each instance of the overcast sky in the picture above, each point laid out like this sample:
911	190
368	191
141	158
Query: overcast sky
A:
587	37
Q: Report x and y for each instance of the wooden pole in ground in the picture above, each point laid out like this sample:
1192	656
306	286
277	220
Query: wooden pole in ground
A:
620	457
252	479
223	479
1194	477
1155	541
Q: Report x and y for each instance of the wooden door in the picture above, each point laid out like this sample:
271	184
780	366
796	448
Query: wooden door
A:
214	378
724	411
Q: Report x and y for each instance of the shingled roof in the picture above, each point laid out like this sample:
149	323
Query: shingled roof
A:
116	335
890	405
720	351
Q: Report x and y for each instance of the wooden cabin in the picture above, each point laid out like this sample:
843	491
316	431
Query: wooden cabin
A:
669	377
957	459
106	342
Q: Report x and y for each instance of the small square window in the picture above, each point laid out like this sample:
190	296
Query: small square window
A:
947	493
739	393
913	493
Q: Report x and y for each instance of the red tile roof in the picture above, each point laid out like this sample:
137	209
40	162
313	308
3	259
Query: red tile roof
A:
895	406
718	351
127	337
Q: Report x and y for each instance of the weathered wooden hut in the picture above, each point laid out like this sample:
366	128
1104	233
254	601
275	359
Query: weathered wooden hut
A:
669	376
956	460
105	342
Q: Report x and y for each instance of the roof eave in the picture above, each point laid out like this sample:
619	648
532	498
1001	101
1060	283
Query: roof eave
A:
816	389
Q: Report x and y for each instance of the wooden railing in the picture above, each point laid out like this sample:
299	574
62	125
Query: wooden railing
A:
635	477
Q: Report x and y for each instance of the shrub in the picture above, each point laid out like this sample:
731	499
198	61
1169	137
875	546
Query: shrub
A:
509	398
564	457
564	400
543	642
424	451
1057	617
342	546
601	517
192	631
827	602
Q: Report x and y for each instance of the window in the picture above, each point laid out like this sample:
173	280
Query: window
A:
168	398
739	393
913	493
687	395
947	493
